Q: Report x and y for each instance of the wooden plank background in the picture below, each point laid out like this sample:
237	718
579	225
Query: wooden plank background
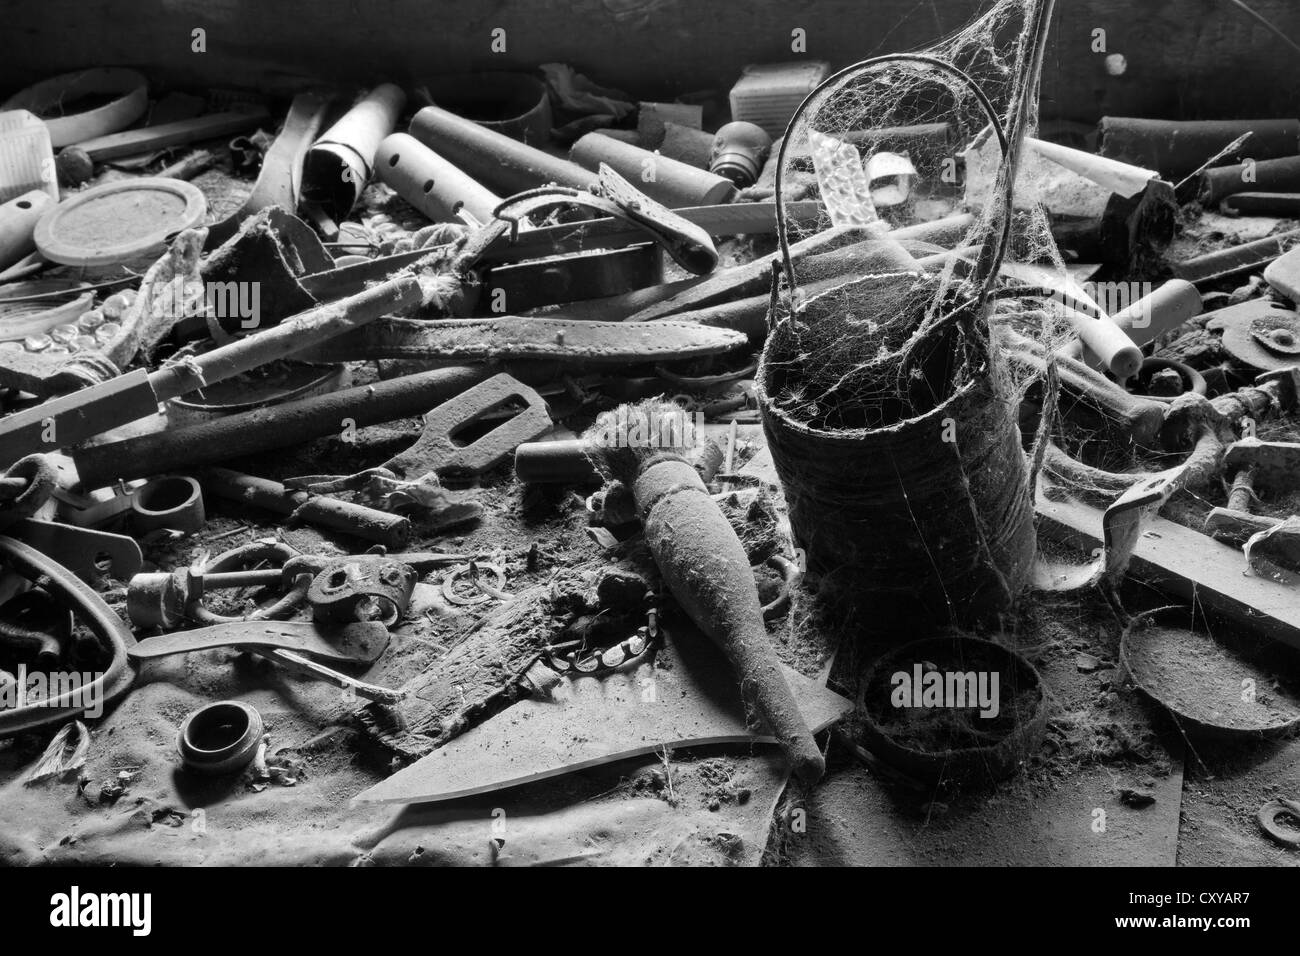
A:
1186	58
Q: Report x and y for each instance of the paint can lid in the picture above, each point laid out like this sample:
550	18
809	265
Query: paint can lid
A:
119	222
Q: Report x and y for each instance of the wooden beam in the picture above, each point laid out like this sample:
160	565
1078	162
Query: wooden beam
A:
470	681
1187	564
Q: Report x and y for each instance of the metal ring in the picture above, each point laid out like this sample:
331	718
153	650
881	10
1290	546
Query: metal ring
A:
1267	819
450	579
174	502
42	479
220	738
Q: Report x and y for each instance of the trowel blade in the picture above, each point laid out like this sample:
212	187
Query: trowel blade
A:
597	720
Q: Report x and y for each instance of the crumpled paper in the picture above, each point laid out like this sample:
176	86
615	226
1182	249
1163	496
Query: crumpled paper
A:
595	106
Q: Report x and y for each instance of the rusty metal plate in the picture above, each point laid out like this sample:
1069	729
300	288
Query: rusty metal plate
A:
1259	333
439	448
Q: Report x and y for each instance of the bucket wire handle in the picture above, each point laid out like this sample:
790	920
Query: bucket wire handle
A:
863	67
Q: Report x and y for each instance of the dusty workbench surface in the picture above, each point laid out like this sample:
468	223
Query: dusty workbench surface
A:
1108	754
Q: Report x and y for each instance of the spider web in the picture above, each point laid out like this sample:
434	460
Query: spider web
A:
844	361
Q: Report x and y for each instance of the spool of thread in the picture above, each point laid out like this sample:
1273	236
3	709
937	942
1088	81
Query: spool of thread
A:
662	179
560	462
430	183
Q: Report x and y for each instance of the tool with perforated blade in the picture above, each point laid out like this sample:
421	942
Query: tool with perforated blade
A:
438	449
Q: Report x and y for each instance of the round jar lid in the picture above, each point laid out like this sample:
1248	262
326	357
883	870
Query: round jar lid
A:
119	221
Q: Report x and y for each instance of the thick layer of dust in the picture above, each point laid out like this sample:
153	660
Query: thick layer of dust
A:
938	730
1198	678
1103	736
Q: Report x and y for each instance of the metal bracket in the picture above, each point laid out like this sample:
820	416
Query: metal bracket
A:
438	451
379	589
83	551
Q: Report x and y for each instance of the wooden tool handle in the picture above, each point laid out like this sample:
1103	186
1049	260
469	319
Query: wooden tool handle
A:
288	338
148	139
